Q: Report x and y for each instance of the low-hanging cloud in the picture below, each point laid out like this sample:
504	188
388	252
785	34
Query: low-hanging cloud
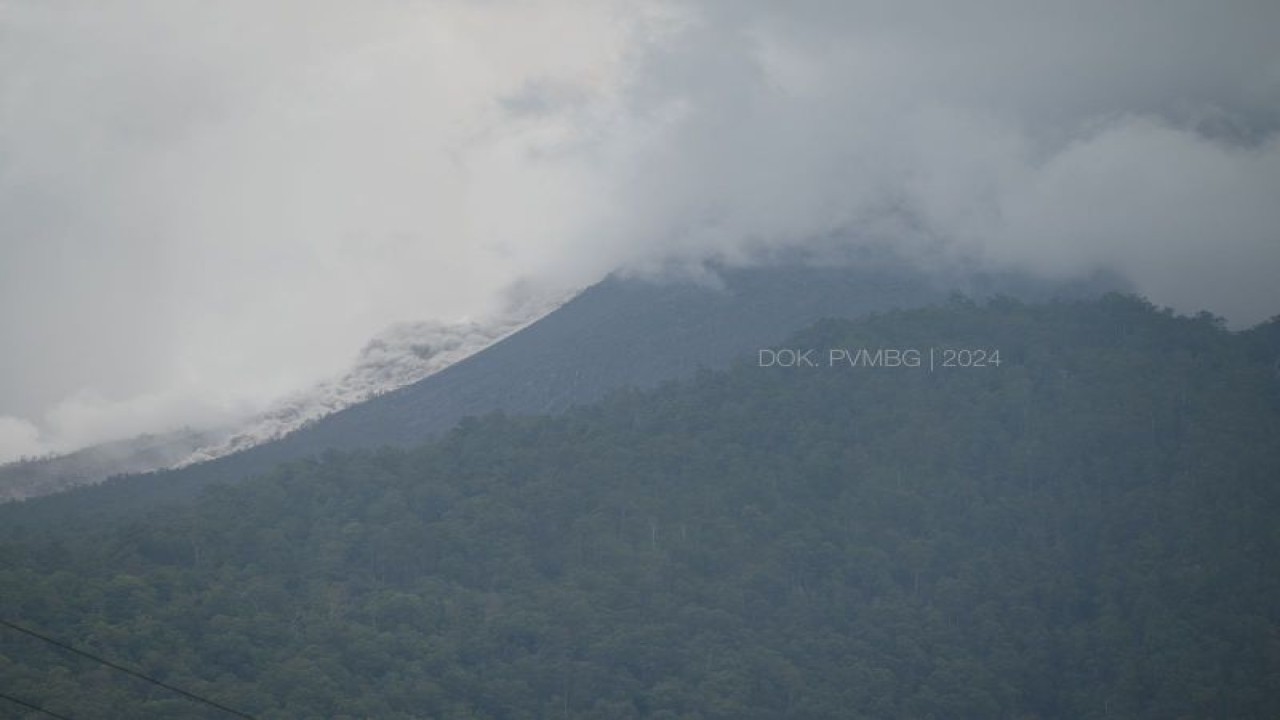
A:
1095	137
204	206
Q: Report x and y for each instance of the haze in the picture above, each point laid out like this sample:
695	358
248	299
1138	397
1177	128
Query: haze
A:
204	206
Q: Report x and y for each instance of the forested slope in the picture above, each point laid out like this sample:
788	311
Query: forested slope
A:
618	333
1086	530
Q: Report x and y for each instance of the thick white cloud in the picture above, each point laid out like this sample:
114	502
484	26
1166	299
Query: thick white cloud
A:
19	438
207	205
204	206
1138	138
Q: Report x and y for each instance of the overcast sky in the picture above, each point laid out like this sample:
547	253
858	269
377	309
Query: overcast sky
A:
204	205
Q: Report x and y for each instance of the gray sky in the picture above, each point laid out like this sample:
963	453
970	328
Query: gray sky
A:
204	205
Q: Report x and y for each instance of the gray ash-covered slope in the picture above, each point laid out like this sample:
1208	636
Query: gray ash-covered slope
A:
400	355
633	333
619	333
41	476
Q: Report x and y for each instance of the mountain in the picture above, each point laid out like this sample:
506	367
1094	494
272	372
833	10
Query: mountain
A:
620	333
42	476
1075	518
399	356
636	333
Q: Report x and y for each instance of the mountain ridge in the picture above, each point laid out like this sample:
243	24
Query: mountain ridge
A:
1085	531
620	332
398	356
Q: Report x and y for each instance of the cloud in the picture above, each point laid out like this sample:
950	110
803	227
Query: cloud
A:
1136	139
235	198
204	206
19	439
87	418
1192	221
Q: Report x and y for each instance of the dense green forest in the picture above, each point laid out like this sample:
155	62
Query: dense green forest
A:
1087	530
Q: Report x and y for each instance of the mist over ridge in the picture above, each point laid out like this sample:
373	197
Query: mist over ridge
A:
207	207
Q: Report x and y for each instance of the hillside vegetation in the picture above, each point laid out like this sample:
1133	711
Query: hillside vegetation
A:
618	333
1087	530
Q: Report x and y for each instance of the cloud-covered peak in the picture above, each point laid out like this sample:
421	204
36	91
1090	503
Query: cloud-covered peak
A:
401	355
206	206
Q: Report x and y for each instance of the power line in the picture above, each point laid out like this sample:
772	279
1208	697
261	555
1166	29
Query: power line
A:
123	669
31	706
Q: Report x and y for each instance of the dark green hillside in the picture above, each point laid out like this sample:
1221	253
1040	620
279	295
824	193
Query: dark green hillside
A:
1085	531
619	333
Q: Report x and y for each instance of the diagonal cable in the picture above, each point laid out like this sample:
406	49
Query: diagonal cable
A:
123	669
32	706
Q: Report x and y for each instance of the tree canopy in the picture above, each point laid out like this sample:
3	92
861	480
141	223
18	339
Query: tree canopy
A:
1086	530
